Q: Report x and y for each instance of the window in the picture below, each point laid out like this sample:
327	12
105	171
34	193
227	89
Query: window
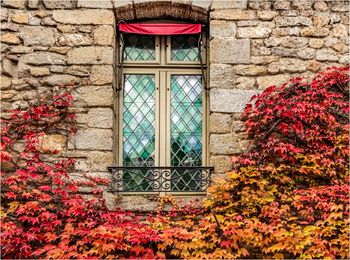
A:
162	138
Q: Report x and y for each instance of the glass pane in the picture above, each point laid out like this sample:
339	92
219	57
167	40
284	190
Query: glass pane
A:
185	48
139	47
138	129
186	129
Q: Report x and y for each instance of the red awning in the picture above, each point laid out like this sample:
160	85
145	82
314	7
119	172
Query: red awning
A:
160	28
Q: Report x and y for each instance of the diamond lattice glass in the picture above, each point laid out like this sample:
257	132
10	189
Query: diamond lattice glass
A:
184	48
139	48
138	129
186	130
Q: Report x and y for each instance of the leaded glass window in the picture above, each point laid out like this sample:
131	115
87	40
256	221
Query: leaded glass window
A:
163	112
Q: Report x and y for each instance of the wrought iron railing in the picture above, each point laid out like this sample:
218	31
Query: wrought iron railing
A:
160	179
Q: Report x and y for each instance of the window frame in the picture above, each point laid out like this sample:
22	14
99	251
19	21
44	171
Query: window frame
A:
162	69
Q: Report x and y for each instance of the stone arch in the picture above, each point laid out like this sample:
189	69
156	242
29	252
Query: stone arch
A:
161	10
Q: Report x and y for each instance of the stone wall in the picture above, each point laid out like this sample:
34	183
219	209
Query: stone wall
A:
253	44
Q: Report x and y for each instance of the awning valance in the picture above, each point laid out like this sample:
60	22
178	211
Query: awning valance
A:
160	28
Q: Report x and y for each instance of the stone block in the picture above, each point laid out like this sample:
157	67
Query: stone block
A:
39	71
80	17
61	80
91	55
230	100
244	82
99	161
289	65
19	4
93	139
61	4
267	81
232	4
221	76
103	4
33	4
293	42
266	15
314	32
101	74
220	123
316	43
10	38
313	66
320	6
326	55
21	18
222	28
9	68
222	164
77	70
21	49
224	144
66	28
60	50
104	35
202	3
5	82
253	32
74	39
250	70
52	142
233	14
100	117
43	58
340	31
140	203
95	95
229	50
283	21
37	35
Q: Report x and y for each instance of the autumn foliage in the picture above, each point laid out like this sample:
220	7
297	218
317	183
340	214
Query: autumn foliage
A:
287	197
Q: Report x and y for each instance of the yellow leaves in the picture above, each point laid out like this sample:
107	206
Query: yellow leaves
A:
13	206
278	256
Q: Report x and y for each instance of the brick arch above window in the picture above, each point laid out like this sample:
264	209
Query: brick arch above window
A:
139	11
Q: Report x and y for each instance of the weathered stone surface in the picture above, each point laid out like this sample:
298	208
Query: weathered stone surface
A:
292	21
61	4
9	68
221	76
320	20
306	53
314	32
93	139
48	21
78	70
101	75
293	42
39	71
316	43
3	14
221	144
37	35
60	50
22	18
267	81
263	60
52	142
281	5
230	50
10	38
85	28
244	82
320	6
289	65
222	164
43	58
222	28
232	14
9	27
250	70
84	16
233	4
96	95
220	123
5	82
95	4
266	15
230	100
99	161
141	203
104	35
57	80
313	66
66	28
326	55
74	39
286	31
340	47
100	117
33	4
20	4
57	68
91	55
253	32
340	31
